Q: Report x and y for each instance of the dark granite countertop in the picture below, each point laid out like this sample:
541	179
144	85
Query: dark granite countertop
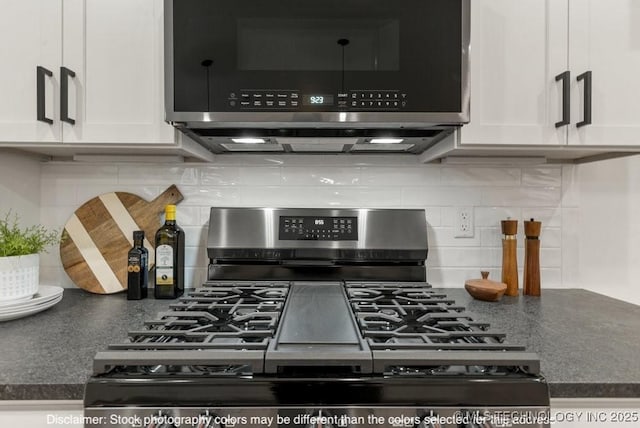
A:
588	343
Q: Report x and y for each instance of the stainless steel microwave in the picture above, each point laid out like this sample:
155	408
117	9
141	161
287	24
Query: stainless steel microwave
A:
279	72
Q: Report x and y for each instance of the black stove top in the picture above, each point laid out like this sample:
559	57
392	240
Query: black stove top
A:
400	327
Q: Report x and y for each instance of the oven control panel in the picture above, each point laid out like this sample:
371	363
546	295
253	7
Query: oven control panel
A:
295	100
317	228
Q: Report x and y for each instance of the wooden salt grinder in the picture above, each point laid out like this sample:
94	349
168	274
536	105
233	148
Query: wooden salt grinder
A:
509	260
531	281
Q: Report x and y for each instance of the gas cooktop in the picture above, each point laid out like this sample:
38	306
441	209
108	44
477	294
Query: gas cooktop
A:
248	327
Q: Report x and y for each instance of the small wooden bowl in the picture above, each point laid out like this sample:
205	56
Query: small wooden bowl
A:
485	289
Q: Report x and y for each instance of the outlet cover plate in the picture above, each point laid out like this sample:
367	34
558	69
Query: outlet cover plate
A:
464	222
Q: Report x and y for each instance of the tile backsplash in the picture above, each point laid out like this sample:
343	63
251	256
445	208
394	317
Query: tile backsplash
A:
494	192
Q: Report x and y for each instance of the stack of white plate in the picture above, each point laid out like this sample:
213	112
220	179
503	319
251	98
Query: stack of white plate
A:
46	297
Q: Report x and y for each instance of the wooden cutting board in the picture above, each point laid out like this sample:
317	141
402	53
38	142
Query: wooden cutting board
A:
98	236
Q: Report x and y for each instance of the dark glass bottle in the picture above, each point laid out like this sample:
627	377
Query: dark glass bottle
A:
137	268
169	278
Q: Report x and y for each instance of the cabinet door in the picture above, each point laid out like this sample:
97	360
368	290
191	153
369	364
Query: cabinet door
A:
517	49
30	33
115	48
605	39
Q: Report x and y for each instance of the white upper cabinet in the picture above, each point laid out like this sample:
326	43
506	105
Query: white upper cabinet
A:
517	50
115	48
605	40
101	72
30	31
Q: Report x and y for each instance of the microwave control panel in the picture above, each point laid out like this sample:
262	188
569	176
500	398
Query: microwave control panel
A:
294	100
318	228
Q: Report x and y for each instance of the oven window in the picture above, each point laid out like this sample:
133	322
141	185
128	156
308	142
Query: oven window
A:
318	44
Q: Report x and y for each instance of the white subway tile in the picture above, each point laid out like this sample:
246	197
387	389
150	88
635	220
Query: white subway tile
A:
320	175
460	257
443	196
543	176
571	247
491	237
195	236
550	278
550	257
521	196
187	216
426	175
377	197
209	196
300	196
58	193
434	216
455	277
570	186
194	277
550	217
69	173
157	174
444	237
550	237
88	192
219	176
480	176
260	176
491	216
195	257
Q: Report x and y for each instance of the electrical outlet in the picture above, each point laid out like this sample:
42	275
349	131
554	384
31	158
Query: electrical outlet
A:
464	222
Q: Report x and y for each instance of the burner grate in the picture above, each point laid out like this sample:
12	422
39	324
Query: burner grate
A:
395	316
226	315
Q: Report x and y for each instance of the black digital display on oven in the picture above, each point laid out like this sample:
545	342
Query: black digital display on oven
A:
317	100
317	228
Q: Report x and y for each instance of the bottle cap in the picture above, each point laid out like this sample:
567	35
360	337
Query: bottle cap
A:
170	212
138	235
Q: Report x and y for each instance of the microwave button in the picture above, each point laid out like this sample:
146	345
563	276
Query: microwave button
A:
395	95
281	96
354	103
282	103
257	95
257	103
379	104
395	104
245	103
269	95
354	95
371	94
294	104
232	103
244	95
294	95
269	103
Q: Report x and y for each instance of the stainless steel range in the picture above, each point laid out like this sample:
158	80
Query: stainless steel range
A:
316	317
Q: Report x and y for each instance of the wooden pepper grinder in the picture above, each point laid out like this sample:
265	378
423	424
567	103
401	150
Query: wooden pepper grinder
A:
532	258
509	260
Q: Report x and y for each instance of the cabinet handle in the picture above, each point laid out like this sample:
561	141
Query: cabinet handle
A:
41	114
586	119
65	73
566	98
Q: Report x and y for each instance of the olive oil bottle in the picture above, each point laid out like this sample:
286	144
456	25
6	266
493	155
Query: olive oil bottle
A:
169	278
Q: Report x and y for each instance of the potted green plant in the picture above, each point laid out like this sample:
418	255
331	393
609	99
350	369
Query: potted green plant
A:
19	257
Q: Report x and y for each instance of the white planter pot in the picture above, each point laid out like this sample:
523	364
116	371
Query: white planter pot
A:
19	276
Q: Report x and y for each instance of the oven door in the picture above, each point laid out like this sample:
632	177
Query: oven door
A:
317	61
